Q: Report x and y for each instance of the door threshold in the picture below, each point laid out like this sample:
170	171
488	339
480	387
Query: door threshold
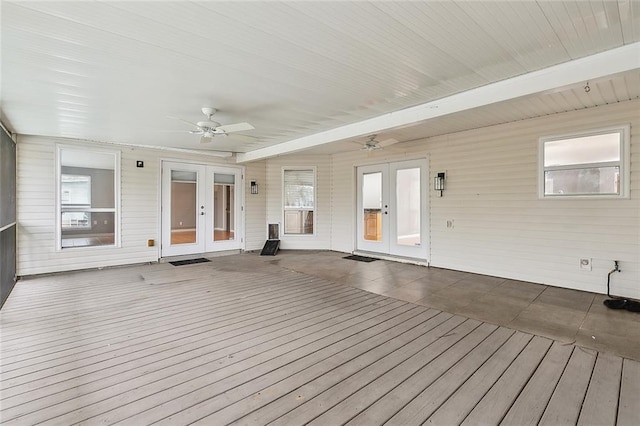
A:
198	255
399	259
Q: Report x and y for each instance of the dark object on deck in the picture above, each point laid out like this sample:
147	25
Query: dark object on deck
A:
189	262
360	258
629	305
270	248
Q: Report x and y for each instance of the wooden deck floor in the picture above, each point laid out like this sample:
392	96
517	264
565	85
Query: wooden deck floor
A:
253	343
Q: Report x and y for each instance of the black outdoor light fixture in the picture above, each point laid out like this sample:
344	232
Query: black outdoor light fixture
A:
254	187
438	182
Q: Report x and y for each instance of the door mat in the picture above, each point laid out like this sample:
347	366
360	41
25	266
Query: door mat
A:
360	258
189	262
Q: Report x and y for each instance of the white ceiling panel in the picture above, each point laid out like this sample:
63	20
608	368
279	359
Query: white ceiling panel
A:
117	71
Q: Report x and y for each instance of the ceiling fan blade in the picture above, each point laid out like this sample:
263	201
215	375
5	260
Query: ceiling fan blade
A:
237	127
388	142
241	138
183	120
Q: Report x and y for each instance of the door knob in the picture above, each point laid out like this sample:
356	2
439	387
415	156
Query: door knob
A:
201	213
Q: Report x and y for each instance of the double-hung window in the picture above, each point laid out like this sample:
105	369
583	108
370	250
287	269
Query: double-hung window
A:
88	188
299	200
593	164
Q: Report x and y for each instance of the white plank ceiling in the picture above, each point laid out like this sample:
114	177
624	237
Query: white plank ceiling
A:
117	71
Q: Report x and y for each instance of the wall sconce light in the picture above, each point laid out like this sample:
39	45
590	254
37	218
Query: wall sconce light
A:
438	182
254	187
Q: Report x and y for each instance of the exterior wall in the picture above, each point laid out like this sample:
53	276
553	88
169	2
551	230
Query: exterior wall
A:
255	206
321	240
501	227
140	214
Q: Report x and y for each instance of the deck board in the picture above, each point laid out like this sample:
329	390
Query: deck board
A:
119	368
431	362
497	401
529	407
253	343
263	392
600	406
456	408
566	401
417	398
182	374
628	410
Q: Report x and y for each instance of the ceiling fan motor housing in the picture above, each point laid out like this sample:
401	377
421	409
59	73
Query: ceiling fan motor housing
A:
208	111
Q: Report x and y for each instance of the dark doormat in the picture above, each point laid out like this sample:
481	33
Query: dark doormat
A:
360	258
189	262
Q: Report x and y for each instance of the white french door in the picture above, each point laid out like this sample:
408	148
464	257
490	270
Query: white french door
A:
201	208
392	209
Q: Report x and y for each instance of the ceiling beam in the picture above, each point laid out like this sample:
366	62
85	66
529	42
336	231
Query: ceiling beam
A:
614	61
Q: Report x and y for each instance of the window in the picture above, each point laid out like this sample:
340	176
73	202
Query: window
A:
299	201
593	164
88	184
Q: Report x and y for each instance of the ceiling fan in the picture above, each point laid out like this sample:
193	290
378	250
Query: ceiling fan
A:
209	128
373	145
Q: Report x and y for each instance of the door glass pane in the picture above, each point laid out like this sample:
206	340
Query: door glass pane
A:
408	207
223	207
184	211
372	206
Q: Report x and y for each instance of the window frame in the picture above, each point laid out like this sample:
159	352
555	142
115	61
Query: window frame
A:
116	193
284	209
623	163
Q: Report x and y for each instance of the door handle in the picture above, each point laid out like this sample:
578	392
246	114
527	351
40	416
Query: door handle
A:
201	213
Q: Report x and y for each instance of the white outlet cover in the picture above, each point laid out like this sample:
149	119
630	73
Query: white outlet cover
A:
585	264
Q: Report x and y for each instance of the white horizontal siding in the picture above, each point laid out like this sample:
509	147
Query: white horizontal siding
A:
255	206
321	240
140	198
501	227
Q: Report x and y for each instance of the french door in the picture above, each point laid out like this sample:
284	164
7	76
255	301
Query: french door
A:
392	209
201	208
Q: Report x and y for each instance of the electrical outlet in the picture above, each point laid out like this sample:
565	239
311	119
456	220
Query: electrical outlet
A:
585	264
